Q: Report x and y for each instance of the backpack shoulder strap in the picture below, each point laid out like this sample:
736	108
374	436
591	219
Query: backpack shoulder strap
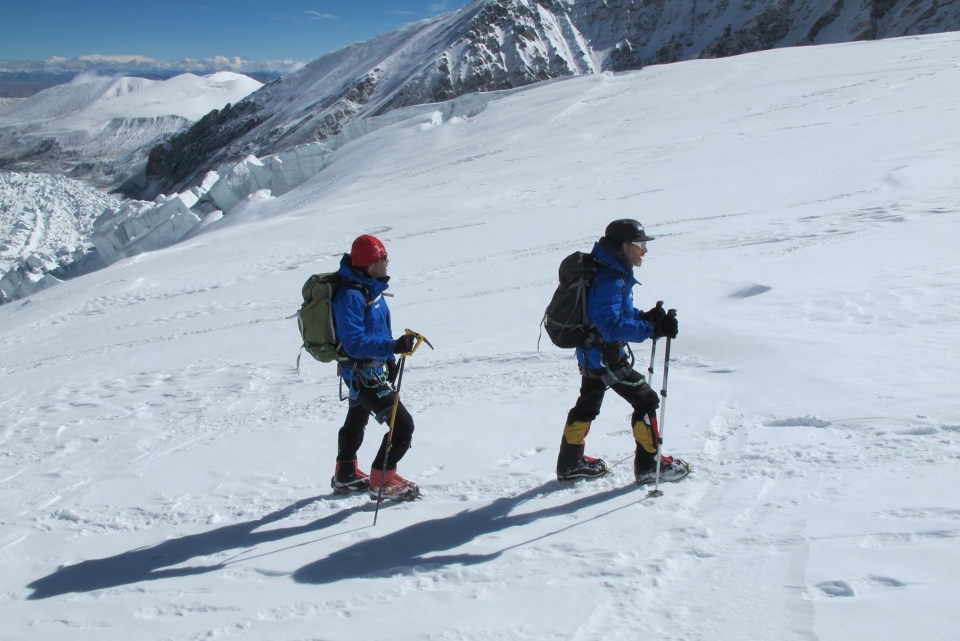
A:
363	290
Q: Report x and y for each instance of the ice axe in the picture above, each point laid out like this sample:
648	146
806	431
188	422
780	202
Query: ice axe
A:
420	339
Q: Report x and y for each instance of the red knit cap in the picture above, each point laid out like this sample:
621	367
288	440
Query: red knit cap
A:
366	251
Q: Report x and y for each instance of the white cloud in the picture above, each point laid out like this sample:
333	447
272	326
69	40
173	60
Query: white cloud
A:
95	58
132	64
316	15
439	6
88	76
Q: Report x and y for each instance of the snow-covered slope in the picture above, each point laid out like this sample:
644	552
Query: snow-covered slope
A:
101	129
165	471
6	103
45	225
499	44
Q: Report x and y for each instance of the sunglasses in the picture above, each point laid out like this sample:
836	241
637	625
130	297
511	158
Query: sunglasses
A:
641	245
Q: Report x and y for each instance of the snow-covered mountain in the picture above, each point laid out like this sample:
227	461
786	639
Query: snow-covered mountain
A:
5	103
498	44
45	226
101	129
164	471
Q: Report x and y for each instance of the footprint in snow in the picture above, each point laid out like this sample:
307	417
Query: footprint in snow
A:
753	290
918	431
836	588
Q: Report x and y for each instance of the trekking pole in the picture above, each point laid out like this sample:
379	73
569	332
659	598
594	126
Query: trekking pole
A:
420	338
653	352
663	411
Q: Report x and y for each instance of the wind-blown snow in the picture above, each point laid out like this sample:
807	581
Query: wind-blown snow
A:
165	470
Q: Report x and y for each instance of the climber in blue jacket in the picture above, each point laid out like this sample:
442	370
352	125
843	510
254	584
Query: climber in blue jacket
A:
604	360
367	364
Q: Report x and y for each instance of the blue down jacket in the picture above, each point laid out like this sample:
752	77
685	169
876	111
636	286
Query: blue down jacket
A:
610	307
364	330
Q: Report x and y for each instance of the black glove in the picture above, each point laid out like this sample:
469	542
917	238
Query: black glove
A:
654	314
666	326
404	344
393	370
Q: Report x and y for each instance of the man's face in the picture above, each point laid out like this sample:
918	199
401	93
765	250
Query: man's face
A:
379	268
635	252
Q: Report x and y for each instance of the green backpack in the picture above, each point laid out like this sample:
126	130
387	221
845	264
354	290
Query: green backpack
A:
315	318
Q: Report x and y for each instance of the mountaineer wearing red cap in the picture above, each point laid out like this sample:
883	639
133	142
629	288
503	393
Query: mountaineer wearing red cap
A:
367	364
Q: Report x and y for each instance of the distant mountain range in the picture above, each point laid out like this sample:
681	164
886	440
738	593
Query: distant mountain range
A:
499	44
101	129
24	78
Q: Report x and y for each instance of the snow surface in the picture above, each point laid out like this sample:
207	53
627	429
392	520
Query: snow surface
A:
165	471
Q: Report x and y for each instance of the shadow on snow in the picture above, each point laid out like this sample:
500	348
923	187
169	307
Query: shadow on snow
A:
406	550
146	564
403	551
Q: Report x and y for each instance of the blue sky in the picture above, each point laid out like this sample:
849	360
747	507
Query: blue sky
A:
173	29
